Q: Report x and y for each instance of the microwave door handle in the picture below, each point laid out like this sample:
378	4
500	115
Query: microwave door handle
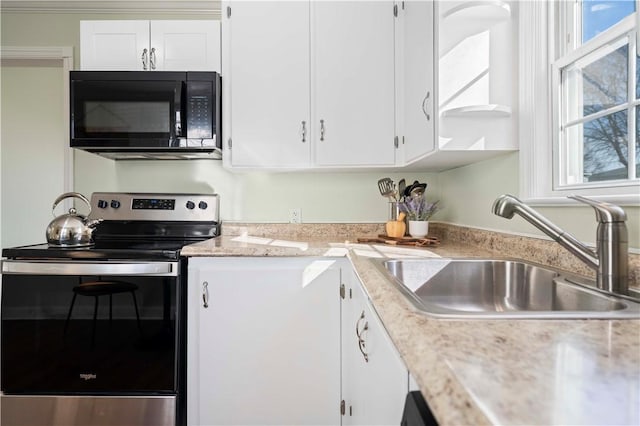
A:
180	99
178	124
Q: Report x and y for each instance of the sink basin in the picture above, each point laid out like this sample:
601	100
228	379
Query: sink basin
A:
479	288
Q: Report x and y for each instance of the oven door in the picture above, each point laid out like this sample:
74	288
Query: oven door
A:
121	110
90	328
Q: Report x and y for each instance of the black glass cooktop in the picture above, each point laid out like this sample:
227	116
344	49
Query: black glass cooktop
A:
100	251
126	241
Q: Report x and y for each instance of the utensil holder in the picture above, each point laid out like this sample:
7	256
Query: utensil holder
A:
393	210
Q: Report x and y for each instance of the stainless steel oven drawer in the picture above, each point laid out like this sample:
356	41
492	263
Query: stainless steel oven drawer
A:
61	410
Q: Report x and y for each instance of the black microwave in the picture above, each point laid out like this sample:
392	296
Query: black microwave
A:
143	114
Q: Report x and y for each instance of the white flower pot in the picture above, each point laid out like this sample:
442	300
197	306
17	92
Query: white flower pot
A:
418	228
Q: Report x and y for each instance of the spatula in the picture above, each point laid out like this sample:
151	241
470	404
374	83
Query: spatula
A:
402	185
386	187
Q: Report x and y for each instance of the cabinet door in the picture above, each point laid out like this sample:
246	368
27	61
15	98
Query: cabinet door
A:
113	45
264	350
417	95
186	45
375	381
353	83
267	72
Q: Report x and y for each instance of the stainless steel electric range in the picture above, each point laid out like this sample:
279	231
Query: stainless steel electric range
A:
97	335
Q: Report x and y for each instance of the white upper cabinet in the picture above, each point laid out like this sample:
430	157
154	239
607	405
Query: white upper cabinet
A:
186	45
353	83
427	85
150	45
113	45
469	50
267	84
416	86
308	84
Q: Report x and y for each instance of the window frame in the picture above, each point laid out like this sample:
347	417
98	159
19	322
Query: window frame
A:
540	111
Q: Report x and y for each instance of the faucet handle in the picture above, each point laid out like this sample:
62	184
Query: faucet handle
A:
605	212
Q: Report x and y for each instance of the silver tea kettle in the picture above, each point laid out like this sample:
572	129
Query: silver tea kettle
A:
71	229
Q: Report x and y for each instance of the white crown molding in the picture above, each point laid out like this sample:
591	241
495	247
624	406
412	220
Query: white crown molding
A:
210	7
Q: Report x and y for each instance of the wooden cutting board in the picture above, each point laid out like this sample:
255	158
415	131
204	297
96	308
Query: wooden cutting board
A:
403	241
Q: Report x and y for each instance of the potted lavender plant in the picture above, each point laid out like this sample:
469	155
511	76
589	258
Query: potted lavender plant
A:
418	211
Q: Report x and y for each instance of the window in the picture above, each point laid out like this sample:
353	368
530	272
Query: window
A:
597	16
596	141
582	135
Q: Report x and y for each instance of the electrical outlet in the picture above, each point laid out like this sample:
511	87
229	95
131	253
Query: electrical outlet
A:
295	215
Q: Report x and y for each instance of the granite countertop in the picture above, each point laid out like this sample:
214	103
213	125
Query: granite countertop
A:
539	372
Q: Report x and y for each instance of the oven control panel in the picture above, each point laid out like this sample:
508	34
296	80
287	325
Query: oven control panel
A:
154	206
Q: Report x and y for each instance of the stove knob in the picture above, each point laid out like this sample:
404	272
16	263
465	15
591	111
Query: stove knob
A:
115	204
203	205
102	204
191	205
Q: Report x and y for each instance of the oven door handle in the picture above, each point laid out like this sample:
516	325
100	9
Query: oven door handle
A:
35	267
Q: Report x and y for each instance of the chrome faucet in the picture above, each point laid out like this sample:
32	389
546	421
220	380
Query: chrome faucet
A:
610	260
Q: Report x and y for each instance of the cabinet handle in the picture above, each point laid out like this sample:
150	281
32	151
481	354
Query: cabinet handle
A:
359	334
304	131
205	294
425	103
145	59
153	58
358	325
321	130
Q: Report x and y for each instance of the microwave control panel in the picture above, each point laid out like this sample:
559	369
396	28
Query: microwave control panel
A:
199	110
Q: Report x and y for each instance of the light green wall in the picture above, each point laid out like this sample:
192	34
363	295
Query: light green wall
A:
468	193
268	197
32	164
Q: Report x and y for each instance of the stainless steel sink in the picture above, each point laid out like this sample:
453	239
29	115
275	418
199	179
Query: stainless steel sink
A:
478	288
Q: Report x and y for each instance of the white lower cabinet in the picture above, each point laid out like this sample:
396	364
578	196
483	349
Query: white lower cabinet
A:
375	381
263	339
271	342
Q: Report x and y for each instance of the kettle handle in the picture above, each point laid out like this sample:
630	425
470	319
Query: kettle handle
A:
70	195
